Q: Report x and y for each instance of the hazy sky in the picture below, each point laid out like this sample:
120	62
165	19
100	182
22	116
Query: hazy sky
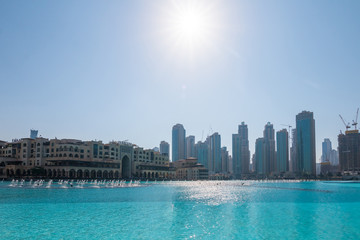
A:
130	70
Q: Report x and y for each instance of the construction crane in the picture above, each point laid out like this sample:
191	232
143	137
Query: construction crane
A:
288	127
356	118
347	126
290	133
210	131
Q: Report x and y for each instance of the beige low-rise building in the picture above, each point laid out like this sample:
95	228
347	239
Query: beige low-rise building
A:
76	159
65	158
150	164
190	169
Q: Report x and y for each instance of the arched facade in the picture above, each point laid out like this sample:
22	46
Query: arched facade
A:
125	167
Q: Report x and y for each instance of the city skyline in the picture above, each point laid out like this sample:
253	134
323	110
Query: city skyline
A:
181	119
271	134
99	71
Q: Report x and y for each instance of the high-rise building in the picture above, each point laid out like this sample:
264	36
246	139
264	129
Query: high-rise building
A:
282	151
260	160
326	150
178	142
293	162
190	146
305	144
269	138
349	152
240	151
224	160
202	153
164	148
230	165
334	158
215	153
253	163
265	163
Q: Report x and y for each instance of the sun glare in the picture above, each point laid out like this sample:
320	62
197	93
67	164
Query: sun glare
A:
190	26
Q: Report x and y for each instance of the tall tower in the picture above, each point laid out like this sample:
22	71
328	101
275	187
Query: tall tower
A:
190	146
265	152
164	148
178	142
269	140
326	150
202	153
293	162
349	152
305	144
240	151
282	153
224	160
215	153
260	158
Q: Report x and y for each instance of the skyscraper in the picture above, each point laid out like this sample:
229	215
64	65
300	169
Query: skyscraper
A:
164	148
326	150
282	151
240	151
260	160
334	157
265	163
224	160
214	153
293	162
305	144
349	152
269	140
178	142
190	146
202	153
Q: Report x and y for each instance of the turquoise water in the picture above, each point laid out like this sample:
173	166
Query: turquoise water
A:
182	210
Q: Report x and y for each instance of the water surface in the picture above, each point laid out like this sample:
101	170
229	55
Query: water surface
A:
181	210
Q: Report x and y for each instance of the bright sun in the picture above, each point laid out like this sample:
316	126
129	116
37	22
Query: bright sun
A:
190	25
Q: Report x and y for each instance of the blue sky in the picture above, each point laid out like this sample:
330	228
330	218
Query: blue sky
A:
116	70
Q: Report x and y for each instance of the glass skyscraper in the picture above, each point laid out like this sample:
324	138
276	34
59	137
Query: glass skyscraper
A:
240	151
260	161
326	150
305	144
178	142
224	160
269	154
190	146
202	153
282	153
265	163
215	153
164	148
